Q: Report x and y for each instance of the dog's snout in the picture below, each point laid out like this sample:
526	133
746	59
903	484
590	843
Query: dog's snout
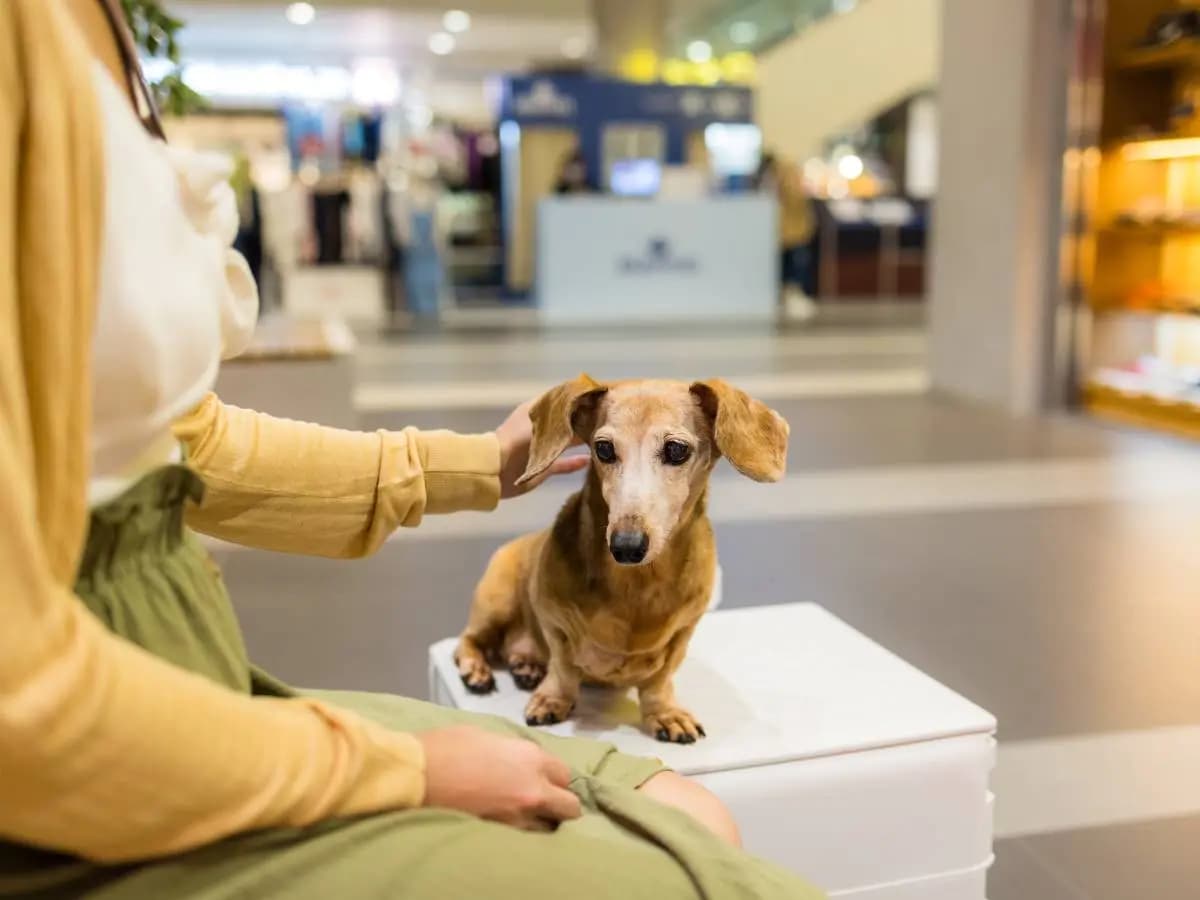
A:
629	547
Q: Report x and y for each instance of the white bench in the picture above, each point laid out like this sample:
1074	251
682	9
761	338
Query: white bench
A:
839	760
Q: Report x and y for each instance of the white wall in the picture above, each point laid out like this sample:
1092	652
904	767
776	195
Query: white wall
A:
835	75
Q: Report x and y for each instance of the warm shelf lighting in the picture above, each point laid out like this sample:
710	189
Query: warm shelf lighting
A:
1165	148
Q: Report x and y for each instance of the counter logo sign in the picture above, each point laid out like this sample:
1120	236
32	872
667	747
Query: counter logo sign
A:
544	99
659	256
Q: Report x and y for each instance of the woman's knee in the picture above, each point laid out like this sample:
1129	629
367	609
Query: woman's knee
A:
672	789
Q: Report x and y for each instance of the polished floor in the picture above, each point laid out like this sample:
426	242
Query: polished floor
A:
1045	568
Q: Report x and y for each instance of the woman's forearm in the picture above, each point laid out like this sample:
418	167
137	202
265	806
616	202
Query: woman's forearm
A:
303	488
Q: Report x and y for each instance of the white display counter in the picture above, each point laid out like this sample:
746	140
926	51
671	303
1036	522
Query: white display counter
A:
619	260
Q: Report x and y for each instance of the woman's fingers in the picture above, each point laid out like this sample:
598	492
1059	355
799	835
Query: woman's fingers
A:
557	771
560	805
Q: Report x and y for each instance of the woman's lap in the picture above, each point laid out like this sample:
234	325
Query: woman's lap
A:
624	845
423	854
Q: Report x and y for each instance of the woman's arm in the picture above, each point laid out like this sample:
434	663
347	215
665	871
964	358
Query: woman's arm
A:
303	488
293	486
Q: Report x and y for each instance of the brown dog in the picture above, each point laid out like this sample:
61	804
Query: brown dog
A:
612	592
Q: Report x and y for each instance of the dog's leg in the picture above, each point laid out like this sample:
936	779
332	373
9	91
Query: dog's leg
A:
497	604
661	714
555	697
524	654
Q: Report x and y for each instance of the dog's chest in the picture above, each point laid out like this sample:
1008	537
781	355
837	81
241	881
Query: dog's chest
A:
604	665
621	650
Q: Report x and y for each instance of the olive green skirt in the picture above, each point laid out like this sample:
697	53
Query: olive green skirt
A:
149	580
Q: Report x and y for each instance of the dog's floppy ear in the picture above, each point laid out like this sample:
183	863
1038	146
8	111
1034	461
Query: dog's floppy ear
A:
751	435
557	417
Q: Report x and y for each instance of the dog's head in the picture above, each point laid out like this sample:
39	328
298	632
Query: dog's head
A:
653	445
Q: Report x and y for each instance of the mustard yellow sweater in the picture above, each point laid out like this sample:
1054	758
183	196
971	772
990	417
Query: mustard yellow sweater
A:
106	751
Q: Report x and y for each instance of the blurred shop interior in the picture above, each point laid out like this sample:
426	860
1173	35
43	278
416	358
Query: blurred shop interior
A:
405	165
395	159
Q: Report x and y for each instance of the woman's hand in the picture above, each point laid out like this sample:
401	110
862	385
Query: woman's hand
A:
514	435
499	778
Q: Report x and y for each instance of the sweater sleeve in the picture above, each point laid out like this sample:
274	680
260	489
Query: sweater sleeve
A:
302	488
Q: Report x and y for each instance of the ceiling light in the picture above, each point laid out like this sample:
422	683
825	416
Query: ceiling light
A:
456	21
850	166
699	51
441	43
743	33
300	13
374	82
575	47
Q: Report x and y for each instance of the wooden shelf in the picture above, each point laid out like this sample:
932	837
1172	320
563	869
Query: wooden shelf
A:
1180	313
1156	230
1143	410
1179	55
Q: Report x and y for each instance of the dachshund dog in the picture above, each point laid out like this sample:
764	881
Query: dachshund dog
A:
611	593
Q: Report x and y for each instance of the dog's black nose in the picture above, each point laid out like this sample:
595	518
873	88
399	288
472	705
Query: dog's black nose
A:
629	547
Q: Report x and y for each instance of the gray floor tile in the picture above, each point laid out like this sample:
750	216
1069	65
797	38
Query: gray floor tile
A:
355	625
1152	860
1059	621
1018	874
598	364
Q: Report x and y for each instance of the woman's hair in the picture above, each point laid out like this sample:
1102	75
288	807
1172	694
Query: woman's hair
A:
139	89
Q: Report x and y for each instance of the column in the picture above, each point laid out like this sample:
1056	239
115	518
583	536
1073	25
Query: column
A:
996	218
630	37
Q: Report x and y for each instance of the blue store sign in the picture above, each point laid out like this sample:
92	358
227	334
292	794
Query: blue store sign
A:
589	100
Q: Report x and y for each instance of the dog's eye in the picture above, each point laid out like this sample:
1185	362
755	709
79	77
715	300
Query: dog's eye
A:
606	452
676	453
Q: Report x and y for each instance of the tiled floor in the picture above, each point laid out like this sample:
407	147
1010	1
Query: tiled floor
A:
1154	860
1045	568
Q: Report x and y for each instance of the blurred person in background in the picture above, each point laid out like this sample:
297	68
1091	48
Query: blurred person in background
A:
573	174
797	226
141	754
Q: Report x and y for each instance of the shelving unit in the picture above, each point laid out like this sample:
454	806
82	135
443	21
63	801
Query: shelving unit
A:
1180	54
1144	253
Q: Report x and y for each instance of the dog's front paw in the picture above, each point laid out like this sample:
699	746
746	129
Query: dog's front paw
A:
674	726
476	675
527	673
547	709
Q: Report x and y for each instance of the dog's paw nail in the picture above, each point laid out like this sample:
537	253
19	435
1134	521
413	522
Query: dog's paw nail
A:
700	728
543	711
480	687
674	726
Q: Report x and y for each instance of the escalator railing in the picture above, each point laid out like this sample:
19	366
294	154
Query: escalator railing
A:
756	25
